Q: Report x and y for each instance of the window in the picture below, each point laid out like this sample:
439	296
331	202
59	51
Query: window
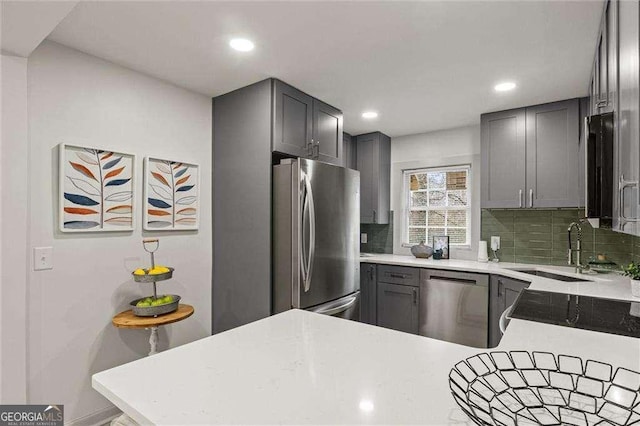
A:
437	201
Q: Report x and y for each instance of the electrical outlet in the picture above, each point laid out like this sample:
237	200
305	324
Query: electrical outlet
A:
42	258
363	238
495	243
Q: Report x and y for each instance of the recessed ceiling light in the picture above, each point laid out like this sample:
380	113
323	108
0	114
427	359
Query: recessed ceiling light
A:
366	405
241	44
369	114
504	87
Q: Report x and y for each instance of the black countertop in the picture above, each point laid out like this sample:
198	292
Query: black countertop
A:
588	313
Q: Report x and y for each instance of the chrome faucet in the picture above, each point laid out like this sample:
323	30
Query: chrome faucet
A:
577	250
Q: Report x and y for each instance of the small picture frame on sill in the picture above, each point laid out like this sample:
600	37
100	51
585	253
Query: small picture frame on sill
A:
441	247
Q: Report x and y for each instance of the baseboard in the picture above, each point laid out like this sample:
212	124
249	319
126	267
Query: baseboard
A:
99	418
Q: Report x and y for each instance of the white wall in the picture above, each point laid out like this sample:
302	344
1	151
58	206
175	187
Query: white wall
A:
77	98
441	148
14	166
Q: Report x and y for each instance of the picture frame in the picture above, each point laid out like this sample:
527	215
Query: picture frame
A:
96	189
171	195
441	242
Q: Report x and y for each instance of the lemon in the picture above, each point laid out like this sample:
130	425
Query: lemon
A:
139	271
158	270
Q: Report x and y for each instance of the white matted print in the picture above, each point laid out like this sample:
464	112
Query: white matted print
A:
96	189
171	195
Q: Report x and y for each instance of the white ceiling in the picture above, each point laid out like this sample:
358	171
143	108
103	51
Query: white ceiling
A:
423	65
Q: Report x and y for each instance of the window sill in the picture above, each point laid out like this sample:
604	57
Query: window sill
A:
456	247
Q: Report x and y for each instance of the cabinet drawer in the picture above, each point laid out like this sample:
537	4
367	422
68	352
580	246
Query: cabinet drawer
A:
398	275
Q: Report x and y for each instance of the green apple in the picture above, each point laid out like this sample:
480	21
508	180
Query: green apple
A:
143	304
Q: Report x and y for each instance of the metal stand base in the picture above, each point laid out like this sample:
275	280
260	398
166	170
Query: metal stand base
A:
153	341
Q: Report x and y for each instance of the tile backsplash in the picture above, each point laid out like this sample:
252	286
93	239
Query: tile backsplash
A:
379	237
540	236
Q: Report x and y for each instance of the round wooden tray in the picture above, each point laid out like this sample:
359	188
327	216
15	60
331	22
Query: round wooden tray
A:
127	319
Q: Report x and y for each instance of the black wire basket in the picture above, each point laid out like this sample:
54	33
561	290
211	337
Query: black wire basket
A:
539	388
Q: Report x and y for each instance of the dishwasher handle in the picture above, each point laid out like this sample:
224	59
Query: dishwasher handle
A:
467	281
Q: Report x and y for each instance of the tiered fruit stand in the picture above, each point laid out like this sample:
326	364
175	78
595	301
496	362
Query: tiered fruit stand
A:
165	311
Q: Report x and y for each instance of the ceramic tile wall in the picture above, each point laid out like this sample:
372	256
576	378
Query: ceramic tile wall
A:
540	236
379	237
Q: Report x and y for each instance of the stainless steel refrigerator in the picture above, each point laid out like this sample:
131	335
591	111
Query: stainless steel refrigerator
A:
316	248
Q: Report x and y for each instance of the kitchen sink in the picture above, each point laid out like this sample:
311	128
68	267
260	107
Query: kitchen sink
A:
551	275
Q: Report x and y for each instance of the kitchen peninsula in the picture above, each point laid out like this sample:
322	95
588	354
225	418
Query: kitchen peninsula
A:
299	367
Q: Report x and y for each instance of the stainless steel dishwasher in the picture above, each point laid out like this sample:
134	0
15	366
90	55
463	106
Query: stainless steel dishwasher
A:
454	306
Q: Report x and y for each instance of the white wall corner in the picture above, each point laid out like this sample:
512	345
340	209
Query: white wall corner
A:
14	194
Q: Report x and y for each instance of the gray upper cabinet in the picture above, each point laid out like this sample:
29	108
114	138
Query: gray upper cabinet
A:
627	122
604	71
503	292
292	120
530	157
398	307
327	133
553	148
349	151
304	126
503	159
374	164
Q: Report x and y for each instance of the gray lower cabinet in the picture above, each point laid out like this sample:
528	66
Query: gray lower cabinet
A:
503	292
531	156
374	164
553	155
349	151
397	307
368	284
304	126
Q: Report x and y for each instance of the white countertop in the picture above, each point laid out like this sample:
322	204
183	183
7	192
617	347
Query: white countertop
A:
304	368
610	286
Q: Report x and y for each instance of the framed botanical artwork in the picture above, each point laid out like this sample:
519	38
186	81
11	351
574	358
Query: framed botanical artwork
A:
171	195
441	243
96	189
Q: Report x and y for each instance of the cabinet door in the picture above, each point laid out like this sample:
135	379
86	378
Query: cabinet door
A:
374	165
502	293
327	133
603	72
611	17
553	150
292	120
503	159
368	293
349	151
626	145
398	307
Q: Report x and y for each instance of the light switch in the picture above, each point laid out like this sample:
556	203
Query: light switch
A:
42	258
363	238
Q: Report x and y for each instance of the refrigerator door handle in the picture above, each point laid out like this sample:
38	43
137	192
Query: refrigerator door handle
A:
302	245
312	232
338	309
